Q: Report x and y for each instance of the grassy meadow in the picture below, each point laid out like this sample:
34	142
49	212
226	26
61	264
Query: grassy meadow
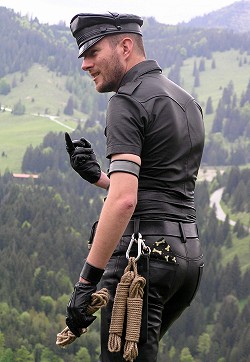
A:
44	96
230	66
38	89
19	132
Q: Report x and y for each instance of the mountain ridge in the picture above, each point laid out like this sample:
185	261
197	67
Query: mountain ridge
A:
235	17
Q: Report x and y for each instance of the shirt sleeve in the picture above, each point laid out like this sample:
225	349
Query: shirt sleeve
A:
125	128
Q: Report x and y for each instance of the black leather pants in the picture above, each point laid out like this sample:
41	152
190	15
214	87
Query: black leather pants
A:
172	284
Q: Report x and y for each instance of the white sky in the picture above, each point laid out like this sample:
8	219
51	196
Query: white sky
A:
164	11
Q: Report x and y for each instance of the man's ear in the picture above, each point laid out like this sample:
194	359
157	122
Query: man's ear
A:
127	45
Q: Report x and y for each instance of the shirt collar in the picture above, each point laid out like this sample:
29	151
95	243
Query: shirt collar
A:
139	69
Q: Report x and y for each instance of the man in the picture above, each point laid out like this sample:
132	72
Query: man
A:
155	139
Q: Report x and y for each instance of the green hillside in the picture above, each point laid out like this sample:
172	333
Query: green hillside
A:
230	66
43	94
40	90
18	132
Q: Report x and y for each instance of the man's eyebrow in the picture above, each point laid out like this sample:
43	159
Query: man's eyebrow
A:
92	49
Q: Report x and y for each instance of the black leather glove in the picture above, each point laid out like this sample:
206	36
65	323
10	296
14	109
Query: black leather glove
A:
83	159
76	313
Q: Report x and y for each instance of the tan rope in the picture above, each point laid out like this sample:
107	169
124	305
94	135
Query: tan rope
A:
128	297
119	309
98	300
134	316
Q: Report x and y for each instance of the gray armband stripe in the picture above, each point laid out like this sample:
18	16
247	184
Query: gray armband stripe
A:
124	166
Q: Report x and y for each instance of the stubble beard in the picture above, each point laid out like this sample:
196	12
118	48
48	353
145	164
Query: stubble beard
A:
113	76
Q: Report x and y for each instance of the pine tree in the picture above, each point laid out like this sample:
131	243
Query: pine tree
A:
202	67
209	106
69	109
197	79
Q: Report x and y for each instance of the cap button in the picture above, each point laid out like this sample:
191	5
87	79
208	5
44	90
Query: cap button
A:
103	29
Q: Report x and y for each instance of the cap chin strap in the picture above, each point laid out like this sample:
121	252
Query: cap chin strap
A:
124	166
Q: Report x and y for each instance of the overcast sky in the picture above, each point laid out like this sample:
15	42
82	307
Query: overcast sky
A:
164	11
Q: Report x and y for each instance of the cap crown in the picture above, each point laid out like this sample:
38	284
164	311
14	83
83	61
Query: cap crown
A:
89	28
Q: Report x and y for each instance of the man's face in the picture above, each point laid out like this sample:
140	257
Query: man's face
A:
105	66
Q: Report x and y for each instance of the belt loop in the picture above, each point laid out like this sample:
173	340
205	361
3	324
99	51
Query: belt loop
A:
183	235
197	230
136	228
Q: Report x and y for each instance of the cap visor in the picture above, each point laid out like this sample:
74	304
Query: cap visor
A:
87	45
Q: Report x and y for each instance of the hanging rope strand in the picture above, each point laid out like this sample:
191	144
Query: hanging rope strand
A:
128	298
134	315
119	309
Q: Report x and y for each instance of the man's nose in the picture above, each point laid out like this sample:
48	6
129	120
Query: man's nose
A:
86	64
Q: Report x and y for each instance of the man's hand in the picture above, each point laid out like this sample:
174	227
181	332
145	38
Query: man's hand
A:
76	314
83	159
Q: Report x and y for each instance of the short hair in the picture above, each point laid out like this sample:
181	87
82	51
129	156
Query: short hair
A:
137	39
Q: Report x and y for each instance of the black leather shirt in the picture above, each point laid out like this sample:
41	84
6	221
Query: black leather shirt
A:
152	117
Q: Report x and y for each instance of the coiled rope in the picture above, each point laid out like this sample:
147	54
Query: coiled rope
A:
128	298
98	300
128	302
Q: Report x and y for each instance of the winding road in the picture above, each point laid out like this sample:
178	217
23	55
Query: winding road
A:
215	199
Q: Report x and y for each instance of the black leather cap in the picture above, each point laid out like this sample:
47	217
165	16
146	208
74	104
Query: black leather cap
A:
88	28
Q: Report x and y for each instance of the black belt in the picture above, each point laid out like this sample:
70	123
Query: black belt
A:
161	227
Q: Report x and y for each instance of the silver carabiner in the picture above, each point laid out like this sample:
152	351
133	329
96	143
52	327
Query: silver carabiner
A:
140	245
